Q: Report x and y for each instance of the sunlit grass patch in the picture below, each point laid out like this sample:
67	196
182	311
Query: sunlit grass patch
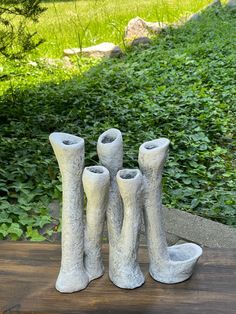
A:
68	24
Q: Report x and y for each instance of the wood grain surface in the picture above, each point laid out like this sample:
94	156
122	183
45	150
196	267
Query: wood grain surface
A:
28	272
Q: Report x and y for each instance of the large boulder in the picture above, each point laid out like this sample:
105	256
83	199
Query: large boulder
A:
98	51
139	31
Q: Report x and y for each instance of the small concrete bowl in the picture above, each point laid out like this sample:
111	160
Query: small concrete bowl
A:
182	259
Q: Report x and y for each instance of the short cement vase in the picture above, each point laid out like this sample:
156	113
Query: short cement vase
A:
124	270
96	181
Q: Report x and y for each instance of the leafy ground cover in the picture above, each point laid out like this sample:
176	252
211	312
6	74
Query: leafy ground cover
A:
181	87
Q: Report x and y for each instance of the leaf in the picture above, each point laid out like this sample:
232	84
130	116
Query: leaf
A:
195	202
41	221
187	181
4	230
4	217
26	220
15	230
34	235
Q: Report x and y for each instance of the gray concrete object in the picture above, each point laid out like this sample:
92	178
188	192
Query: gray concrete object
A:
69	151
123	212
96	181
119	195
167	264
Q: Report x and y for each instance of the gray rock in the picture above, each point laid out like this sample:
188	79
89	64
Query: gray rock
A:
194	17
33	63
139	31
141	41
215	3
199	230
65	62
54	209
156	27
231	4
98	51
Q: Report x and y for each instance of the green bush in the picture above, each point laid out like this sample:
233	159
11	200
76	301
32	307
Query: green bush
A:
15	16
182	87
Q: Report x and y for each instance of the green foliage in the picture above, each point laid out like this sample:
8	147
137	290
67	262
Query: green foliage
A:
182	87
15	16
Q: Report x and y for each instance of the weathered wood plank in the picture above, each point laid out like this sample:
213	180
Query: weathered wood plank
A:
28	272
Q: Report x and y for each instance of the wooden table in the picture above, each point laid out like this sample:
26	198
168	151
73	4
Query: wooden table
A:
28	272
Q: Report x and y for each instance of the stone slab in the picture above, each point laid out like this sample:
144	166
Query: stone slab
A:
99	51
199	230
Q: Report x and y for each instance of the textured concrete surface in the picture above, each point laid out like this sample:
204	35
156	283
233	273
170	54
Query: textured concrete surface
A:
199	230
171	238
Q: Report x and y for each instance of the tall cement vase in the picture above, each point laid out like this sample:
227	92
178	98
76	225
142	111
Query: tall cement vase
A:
167	264
69	151
110	153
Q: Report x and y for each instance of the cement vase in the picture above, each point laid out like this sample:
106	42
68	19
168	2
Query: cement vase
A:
124	270
96	181
167	264
69	151
110	153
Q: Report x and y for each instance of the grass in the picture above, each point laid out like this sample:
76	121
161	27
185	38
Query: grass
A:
68	24
181	87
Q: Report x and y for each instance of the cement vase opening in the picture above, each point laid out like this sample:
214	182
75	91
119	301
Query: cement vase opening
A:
96	181
124	270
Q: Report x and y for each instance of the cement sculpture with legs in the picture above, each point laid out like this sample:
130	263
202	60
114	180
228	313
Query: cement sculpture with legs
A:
119	195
